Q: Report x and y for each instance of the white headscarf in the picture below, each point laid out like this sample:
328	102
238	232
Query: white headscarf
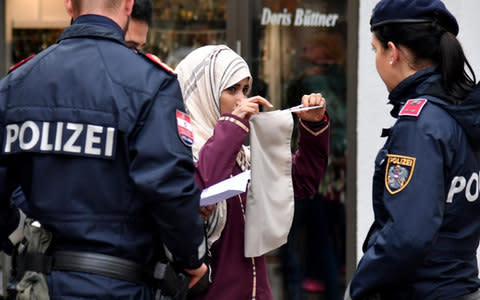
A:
203	75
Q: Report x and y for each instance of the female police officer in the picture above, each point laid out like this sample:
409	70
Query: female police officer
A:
422	244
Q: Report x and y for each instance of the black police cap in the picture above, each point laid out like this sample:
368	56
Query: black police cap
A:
413	11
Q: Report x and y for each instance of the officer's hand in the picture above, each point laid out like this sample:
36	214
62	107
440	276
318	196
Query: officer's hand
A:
250	106
313	115
196	274
206	211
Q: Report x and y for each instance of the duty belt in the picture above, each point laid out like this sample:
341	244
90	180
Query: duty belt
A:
86	262
162	277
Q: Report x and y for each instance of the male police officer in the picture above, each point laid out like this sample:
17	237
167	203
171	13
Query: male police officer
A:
97	138
140	22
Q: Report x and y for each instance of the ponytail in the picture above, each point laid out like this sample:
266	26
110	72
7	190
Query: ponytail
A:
452	62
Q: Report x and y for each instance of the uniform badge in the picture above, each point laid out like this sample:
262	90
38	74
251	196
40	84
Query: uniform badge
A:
398	172
413	107
185	128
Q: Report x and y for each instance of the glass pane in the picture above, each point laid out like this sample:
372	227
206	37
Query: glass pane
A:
302	50
180	26
26	42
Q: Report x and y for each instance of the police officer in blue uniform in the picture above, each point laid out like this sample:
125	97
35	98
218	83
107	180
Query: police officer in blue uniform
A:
426	185
97	138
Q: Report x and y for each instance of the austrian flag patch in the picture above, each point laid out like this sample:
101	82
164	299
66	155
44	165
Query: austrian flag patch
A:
413	107
185	128
398	172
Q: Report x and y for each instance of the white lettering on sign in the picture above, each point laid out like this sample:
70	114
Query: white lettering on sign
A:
303	17
268	17
309	18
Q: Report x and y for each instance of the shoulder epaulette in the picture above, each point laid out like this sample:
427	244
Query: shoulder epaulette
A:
413	108
159	62
23	61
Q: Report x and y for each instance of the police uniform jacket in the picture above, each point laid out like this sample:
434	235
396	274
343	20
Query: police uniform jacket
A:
423	242
89	131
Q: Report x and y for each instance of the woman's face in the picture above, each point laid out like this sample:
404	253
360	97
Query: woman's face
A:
233	95
383	57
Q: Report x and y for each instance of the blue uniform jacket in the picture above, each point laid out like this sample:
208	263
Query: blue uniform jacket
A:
423	242
89	131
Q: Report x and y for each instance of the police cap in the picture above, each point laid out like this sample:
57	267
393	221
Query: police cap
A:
413	11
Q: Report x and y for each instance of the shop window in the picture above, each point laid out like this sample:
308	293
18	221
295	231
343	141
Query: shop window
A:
179	26
26	42
302	50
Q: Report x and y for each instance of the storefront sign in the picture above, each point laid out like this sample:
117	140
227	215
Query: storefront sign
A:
301	18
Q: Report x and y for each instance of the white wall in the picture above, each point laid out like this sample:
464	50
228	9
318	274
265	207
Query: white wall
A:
373	112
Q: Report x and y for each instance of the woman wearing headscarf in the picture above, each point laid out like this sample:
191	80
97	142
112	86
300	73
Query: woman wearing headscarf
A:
215	83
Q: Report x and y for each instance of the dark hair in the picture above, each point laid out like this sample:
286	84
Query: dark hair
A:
142	11
431	41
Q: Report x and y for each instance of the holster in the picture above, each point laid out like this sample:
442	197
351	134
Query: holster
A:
29	284
169	283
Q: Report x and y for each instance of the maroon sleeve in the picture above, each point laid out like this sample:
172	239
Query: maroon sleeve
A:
217	157
310	160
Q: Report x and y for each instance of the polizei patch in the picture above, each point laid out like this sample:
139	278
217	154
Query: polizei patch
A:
398	172
69	138
185	128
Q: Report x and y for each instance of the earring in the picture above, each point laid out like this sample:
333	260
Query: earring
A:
391	62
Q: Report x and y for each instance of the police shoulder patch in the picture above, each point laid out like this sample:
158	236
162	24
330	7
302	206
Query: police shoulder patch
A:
159	62
184	128
398	172
413	107
23	61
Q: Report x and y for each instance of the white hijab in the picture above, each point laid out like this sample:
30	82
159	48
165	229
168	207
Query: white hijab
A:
203	75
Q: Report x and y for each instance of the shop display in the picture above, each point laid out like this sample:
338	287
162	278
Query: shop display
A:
180	26
26	42
302	50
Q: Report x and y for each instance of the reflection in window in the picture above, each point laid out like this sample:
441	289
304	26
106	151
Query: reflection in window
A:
180	26
26	42
302	50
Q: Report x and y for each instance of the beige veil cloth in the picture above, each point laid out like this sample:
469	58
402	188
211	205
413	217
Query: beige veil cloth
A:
270	204
203	75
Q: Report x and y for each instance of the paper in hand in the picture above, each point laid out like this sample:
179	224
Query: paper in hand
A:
225	189
301	108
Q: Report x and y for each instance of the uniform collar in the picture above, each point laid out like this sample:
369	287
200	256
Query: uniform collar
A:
94	26
413	86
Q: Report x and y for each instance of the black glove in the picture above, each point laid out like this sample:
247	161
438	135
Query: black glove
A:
201	286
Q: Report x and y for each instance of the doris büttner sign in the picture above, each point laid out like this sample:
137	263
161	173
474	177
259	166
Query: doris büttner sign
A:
301	17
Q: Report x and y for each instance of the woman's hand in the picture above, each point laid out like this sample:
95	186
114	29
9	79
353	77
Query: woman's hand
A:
250	106
207	211
313	115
